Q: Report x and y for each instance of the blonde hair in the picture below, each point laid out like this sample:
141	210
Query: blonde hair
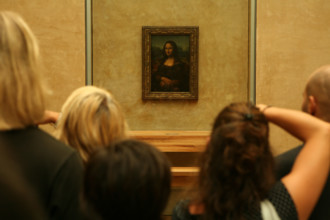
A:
91	118
21	90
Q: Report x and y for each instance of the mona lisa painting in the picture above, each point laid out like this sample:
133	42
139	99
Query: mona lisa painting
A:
170	62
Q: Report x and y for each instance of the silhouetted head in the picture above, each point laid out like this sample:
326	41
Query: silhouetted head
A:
129	179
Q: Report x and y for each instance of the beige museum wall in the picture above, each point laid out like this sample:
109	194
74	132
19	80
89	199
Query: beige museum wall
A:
223	57
60	29
292	41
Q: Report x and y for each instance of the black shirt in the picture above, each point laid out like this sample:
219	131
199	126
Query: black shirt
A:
53	170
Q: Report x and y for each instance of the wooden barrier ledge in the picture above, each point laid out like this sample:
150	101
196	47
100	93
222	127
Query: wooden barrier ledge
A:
174	141
183	142
184	176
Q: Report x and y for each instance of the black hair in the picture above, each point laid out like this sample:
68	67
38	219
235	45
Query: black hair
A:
127	179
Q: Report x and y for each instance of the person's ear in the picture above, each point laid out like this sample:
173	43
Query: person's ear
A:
312	105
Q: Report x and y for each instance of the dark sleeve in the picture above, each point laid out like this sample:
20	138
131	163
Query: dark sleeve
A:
66	188
282	201
285	161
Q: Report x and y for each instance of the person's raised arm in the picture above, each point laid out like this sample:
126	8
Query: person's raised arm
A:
311	168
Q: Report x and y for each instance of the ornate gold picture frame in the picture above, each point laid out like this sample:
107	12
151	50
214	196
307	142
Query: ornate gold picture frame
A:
170	62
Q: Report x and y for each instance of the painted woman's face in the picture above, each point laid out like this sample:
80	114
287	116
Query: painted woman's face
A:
168	49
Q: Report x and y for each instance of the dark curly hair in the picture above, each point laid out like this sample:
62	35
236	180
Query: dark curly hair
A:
237	167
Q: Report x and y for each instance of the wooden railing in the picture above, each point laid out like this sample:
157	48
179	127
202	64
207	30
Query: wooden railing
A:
183	149
183	176
174	141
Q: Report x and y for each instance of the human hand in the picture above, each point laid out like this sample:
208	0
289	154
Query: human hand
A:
166	81
262	107
49	117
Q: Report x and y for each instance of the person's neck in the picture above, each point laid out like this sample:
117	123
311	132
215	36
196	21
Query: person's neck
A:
169	61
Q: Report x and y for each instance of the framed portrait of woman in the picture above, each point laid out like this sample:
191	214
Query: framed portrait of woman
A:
170	62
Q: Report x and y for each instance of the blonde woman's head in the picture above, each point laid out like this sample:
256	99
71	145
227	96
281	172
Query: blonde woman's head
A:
91	118
21	89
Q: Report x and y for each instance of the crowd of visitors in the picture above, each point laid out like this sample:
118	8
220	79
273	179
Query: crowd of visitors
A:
92	169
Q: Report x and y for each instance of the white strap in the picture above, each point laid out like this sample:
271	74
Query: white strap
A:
268	211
